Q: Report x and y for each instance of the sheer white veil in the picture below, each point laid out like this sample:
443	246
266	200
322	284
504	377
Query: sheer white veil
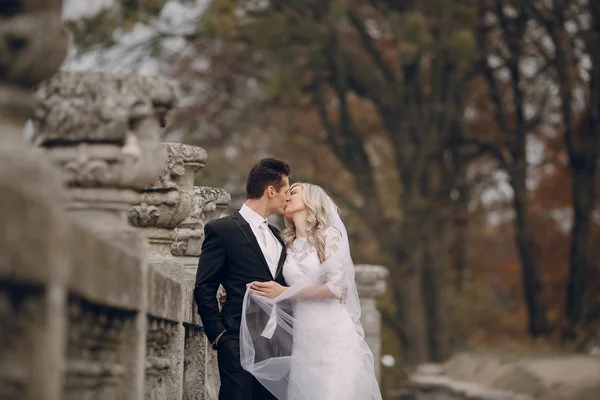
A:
268	326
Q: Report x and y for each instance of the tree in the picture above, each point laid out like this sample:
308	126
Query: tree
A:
580	130
405	66
504	48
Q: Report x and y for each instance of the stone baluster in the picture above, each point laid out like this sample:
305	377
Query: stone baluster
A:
165	204
201	371
160	209
33	232
102	131
208	203
371	284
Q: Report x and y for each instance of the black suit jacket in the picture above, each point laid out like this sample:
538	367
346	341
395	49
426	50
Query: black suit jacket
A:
232	257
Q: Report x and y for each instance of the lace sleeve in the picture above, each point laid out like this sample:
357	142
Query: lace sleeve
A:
335	278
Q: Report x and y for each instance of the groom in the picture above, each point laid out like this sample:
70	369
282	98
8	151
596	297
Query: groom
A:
238	250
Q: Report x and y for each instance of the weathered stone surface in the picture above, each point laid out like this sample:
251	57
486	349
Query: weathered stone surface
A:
212	378
101	352
371	280
162	206
34	230
208	203
165	299
103	129
107	273
168	201
371	284
33	43
164	360
103	107
194	373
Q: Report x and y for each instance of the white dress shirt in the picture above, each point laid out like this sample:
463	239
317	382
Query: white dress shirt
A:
270	246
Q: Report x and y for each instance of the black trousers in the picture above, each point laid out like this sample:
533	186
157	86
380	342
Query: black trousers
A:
237	383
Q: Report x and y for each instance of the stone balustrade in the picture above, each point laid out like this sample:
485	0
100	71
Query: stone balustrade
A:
93	300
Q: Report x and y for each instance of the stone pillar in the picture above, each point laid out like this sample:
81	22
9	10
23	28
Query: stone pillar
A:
102	131
33	233
161	208
371	284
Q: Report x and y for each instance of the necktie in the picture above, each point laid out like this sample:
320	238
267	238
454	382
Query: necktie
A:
269	247
263	230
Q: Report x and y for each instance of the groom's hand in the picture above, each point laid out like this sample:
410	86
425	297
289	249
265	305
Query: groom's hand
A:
222	296
267	289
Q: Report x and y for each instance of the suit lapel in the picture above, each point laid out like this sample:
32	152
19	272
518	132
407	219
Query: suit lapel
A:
283	252
249	235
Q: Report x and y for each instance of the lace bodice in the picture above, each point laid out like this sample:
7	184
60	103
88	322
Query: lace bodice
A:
303	263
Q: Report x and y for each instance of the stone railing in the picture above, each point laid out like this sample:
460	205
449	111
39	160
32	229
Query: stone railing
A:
101	228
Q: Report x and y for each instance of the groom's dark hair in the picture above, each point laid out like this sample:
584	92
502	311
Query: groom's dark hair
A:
267	172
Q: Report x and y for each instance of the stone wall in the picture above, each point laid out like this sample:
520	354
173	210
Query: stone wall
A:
99	222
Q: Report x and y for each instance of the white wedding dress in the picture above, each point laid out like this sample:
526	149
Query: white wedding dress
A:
326	354
318	317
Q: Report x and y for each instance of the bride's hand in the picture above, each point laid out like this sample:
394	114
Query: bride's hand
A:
267	289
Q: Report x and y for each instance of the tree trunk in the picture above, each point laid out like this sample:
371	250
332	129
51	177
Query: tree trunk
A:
583	148
435	299
527	249
582	188
408	293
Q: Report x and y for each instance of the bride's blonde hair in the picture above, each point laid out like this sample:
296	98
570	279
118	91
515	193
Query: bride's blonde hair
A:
317	219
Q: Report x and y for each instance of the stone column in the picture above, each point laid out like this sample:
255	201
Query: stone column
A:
33	234
371	284
102	131
161	208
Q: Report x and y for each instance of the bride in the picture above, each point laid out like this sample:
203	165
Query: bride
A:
305	341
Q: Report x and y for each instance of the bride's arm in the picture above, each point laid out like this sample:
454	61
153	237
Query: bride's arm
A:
335	280
273	290
316	292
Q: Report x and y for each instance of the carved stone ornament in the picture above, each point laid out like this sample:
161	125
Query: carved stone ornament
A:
208	203
103	131
168	201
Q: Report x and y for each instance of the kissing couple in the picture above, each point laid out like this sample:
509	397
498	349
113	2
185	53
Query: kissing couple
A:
290	325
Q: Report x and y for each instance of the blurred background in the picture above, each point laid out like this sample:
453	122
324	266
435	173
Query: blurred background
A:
459	137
